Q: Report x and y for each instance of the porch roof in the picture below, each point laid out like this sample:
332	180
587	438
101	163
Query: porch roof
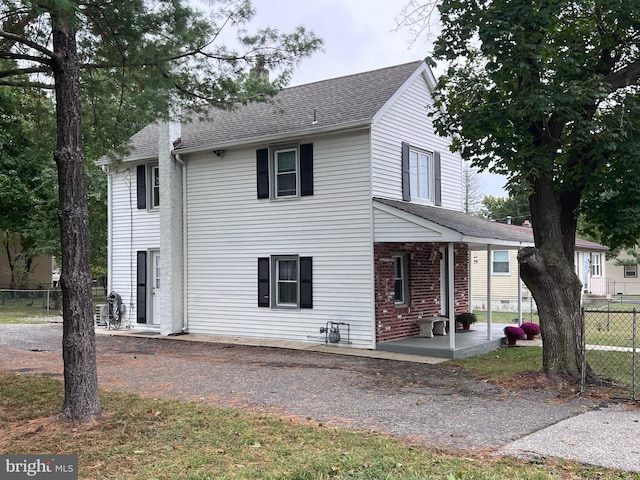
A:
458	227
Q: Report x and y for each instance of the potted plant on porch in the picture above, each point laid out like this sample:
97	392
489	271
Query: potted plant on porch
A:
513	333
466	319
530	329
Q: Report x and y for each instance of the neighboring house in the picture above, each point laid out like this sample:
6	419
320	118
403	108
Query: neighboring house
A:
337	205
505	275
622	279
40	269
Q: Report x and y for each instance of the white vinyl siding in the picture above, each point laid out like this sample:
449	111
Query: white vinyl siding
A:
407	121
228	229
131	230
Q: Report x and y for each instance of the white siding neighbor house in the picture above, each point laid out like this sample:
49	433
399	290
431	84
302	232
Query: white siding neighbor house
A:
335	207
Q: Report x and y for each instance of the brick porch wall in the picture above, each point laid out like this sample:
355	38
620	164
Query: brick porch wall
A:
394	322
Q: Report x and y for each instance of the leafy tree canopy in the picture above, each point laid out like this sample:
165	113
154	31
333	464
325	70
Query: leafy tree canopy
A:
513	209
549	89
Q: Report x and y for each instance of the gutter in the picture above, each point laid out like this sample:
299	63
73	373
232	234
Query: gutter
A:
343	127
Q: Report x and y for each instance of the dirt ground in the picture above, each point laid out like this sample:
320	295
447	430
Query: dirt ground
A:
432	404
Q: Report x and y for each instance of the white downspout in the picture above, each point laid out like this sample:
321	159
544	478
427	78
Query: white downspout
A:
185	317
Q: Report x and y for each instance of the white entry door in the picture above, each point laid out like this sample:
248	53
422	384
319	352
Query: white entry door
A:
155	287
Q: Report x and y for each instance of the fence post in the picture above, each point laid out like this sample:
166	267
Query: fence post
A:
48	304
583	353
633	354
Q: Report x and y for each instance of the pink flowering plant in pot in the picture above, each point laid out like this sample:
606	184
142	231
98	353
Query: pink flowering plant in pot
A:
513	334
530	329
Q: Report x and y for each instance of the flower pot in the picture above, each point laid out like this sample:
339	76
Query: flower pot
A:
511	340
466	326
531	336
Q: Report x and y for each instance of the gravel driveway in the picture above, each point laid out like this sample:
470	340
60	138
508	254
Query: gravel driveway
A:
430	404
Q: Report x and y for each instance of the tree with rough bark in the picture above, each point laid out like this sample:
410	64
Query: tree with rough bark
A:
139	55
546	93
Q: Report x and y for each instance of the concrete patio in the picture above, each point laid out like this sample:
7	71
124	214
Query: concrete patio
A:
467	343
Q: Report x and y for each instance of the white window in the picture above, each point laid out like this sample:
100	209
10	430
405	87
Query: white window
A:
631	271
401	279
422	174
500	262
286	281
154	191
595	265
286	171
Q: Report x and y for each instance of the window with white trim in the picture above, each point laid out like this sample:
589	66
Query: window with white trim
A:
154	176
422	175
631	271
401	279
500	262
285	277
285	163
595	265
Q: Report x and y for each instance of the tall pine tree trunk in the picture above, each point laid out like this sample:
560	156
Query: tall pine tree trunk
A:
548	271
81	400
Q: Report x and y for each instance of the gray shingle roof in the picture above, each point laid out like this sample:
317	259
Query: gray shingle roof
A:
463	223
471	226
331	103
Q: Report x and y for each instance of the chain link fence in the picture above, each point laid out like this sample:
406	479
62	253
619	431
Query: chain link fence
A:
611	344
41	304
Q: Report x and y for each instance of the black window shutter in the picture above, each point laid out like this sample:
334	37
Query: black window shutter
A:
263	282
141	181
141	287
438	178
406	173
306	169
262	170
306	284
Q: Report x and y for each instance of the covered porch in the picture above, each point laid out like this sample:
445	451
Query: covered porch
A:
468	343
453	231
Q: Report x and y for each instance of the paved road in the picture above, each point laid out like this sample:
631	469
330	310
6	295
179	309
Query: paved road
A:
430	404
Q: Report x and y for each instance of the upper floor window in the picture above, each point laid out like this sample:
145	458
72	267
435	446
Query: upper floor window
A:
285	171
500	261
155	186
422	175
595	265
148	187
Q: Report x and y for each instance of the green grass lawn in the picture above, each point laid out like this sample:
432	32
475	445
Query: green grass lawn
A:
141	438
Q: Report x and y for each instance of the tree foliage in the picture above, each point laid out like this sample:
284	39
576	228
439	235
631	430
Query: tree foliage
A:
514	209
125	63
546	92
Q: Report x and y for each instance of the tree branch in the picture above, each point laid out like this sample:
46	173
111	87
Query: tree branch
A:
20	56
23	71
629	75
26	42
10	83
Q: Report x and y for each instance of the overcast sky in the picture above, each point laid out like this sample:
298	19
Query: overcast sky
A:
358	35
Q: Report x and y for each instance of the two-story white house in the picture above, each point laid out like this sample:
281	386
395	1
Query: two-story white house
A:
337	203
